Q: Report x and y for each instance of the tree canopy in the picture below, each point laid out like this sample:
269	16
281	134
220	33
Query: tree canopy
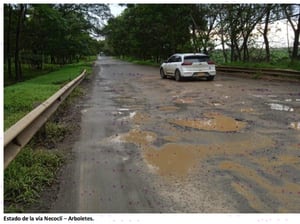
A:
50	33
155	31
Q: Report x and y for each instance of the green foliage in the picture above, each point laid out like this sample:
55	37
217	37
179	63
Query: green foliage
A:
21	98
150	31
27	175
51	34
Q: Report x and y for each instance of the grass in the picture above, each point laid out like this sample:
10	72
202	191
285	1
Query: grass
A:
279	59
284	64
36	166
21	98
27	175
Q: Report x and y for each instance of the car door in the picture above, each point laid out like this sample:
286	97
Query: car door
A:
169	64
175	64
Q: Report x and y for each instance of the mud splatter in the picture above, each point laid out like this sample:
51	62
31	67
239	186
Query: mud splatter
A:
212	122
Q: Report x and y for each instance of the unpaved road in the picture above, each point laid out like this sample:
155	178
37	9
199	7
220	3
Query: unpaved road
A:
153	145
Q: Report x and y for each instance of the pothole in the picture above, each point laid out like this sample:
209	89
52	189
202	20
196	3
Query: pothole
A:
212	122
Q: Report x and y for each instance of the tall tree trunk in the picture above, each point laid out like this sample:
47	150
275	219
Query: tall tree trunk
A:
265	35
296	29
8	32
18	38
232	47
296	40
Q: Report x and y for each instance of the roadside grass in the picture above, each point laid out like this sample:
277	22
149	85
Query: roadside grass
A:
22	97
284	64
36	166
279	59
27	175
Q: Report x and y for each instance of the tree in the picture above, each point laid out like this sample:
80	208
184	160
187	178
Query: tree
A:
292	13
203	27
21	17
62	32
7	27
151	31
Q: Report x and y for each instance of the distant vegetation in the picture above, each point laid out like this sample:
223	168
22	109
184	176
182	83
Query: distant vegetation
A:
152	32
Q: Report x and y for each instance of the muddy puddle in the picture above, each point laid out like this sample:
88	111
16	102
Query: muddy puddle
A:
212	122
174	159
178	159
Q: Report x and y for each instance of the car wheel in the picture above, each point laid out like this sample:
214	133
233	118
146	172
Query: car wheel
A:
210	78
162	73
177	75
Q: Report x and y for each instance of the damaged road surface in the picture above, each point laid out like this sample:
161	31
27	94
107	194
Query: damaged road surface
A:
155	145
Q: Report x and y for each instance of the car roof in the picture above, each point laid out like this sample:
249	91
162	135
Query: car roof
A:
190	54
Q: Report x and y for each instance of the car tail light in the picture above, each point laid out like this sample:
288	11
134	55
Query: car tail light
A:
187	63
210	62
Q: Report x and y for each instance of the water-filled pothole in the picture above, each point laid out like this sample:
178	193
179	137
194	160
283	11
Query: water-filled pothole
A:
212	122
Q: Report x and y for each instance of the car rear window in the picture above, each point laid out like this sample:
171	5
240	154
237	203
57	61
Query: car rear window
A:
196	58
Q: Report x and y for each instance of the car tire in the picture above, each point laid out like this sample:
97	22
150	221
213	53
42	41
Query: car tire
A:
210	78
177	75
162	74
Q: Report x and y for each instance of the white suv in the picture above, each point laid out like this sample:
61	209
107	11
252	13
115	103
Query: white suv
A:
188	65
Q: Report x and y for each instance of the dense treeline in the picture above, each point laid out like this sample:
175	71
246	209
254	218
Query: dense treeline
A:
153	32
35	34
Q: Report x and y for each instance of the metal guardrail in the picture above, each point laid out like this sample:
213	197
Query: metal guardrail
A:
18	135
262	71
